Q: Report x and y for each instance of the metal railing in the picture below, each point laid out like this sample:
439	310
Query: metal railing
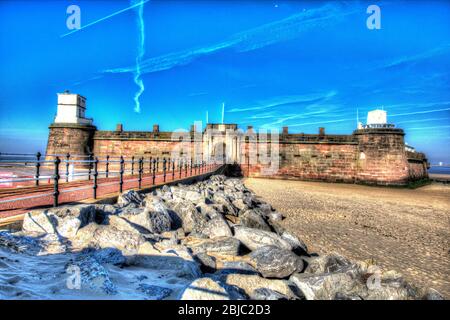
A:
105	171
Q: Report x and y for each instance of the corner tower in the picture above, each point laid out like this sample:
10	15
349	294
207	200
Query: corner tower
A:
71	132
381	154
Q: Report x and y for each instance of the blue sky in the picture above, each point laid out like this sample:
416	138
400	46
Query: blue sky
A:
274	63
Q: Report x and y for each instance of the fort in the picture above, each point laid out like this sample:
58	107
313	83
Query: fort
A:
375	153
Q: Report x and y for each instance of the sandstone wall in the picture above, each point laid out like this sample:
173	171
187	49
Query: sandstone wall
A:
417	165
371	156
77	140
382	157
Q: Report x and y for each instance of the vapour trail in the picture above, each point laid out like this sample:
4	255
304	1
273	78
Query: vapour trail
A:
140	55
259	37
105	18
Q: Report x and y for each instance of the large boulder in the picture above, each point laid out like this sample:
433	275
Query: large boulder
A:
130	197
251	219
107	236
298	246
251	282
355	283
64	221
327	263
273	262
205	289
223	245
172	263
267	294
222	199
187	216
154	217
255	238
327	286
216	228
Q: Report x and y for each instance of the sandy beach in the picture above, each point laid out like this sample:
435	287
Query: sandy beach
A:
402	229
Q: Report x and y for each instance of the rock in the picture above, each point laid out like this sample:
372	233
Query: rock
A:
251	282
130	197
222	199
216	228
108	256
153	292
208	263
240	205
121	223
254	238
251	219
147	249
298	246
93	275
154	218
432	294
176	262
205	289
193	196
207	210
235	267
273	262
326	286
265	208
101	236
19	243
64	221
389	285
191	220
267	294
274	216
327	263
223	245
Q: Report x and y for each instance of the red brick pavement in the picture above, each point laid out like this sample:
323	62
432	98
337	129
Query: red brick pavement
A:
15	201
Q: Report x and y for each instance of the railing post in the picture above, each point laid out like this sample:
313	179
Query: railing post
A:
90	166
94	187
38	165
141	166
185	167
164	169
132	165
150	165
122	162
191	167
55	182
173	169
67	166
154	171
180	166
157	164
107	166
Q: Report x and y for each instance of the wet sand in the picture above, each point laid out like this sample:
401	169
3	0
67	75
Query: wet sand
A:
402	229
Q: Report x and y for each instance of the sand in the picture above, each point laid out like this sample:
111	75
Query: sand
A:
402	229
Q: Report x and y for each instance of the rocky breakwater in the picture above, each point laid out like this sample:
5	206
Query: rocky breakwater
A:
210	240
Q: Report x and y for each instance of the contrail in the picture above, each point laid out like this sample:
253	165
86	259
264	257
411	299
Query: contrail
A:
141	51
105	18
282	30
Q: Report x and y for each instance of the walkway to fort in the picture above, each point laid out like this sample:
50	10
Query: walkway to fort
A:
402	229
15	201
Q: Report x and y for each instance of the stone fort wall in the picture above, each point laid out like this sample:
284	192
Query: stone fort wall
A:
370	156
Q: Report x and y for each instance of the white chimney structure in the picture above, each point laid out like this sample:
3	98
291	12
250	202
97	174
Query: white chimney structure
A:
71	109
